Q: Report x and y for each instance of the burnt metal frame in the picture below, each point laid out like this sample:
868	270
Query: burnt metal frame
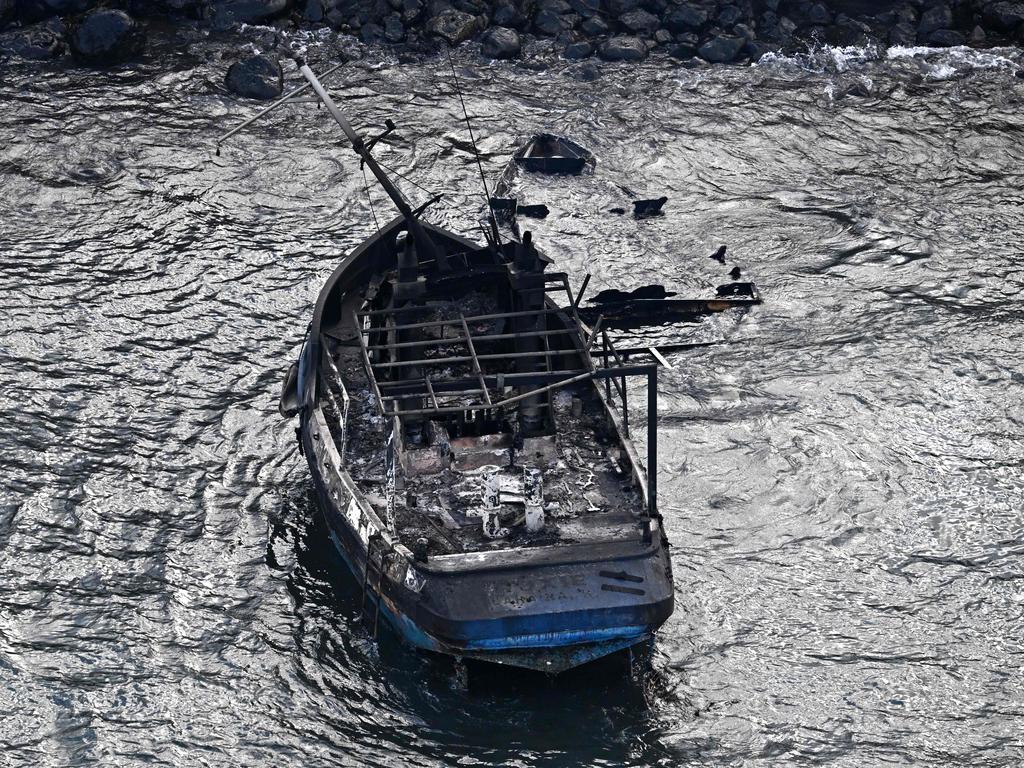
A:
544	381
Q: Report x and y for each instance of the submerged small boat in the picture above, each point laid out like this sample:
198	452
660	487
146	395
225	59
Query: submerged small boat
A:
548	153
469	442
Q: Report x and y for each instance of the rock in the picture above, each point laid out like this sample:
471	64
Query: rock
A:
784	29
509	16
313	11
501	43
107	37
586	8
682	51
742	30
37	43
847	31
977	36
31	11
819	15
454	26
729	15
557	6
903	34
618	7
394	30
936	17
257	77
947	38
411	10
227	12
580	50
623	48
756	49
548	22
595	27
722	49
6	12
640	21
587	73
662	37
685	18
1004	16
371	33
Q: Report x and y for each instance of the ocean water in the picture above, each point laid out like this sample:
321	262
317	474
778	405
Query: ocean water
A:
841	476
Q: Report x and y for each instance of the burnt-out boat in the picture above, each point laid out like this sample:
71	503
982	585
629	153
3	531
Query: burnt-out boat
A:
470	444
548	153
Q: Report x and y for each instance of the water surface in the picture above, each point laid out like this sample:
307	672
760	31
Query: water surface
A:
841	477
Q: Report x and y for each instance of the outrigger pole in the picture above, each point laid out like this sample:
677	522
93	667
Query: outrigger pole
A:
426	246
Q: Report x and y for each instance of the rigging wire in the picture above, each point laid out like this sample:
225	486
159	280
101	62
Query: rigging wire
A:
476	151
366	186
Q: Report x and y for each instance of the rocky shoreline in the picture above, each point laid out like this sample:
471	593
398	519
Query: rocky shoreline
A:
693	32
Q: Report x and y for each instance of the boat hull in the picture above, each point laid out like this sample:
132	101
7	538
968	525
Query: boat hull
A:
544	608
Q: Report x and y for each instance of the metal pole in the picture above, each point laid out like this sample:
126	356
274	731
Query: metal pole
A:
272	107
419	235
652	442
625	409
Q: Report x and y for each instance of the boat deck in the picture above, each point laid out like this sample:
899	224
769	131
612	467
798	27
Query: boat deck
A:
588	492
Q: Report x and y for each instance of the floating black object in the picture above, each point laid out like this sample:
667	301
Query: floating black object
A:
618	211
719	255
507	208
643	292
534	211
735	273
547	153
737	289
504	209
645	208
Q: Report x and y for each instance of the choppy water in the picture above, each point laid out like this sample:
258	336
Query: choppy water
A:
842	483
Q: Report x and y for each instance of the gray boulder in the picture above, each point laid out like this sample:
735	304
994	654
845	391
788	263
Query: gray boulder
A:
31	11
936	17
1004	16
640	22
586	73
618	7
580	50
586	8
37	43
107	37
227	12
729	15
685	18
548	22
819	15
507	15
722	49
595	27
312	11
394	30
623	48
903	34
755	49
947	38
257	77
454	26
501	43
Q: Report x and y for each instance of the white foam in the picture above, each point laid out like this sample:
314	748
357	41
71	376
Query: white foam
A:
822	59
